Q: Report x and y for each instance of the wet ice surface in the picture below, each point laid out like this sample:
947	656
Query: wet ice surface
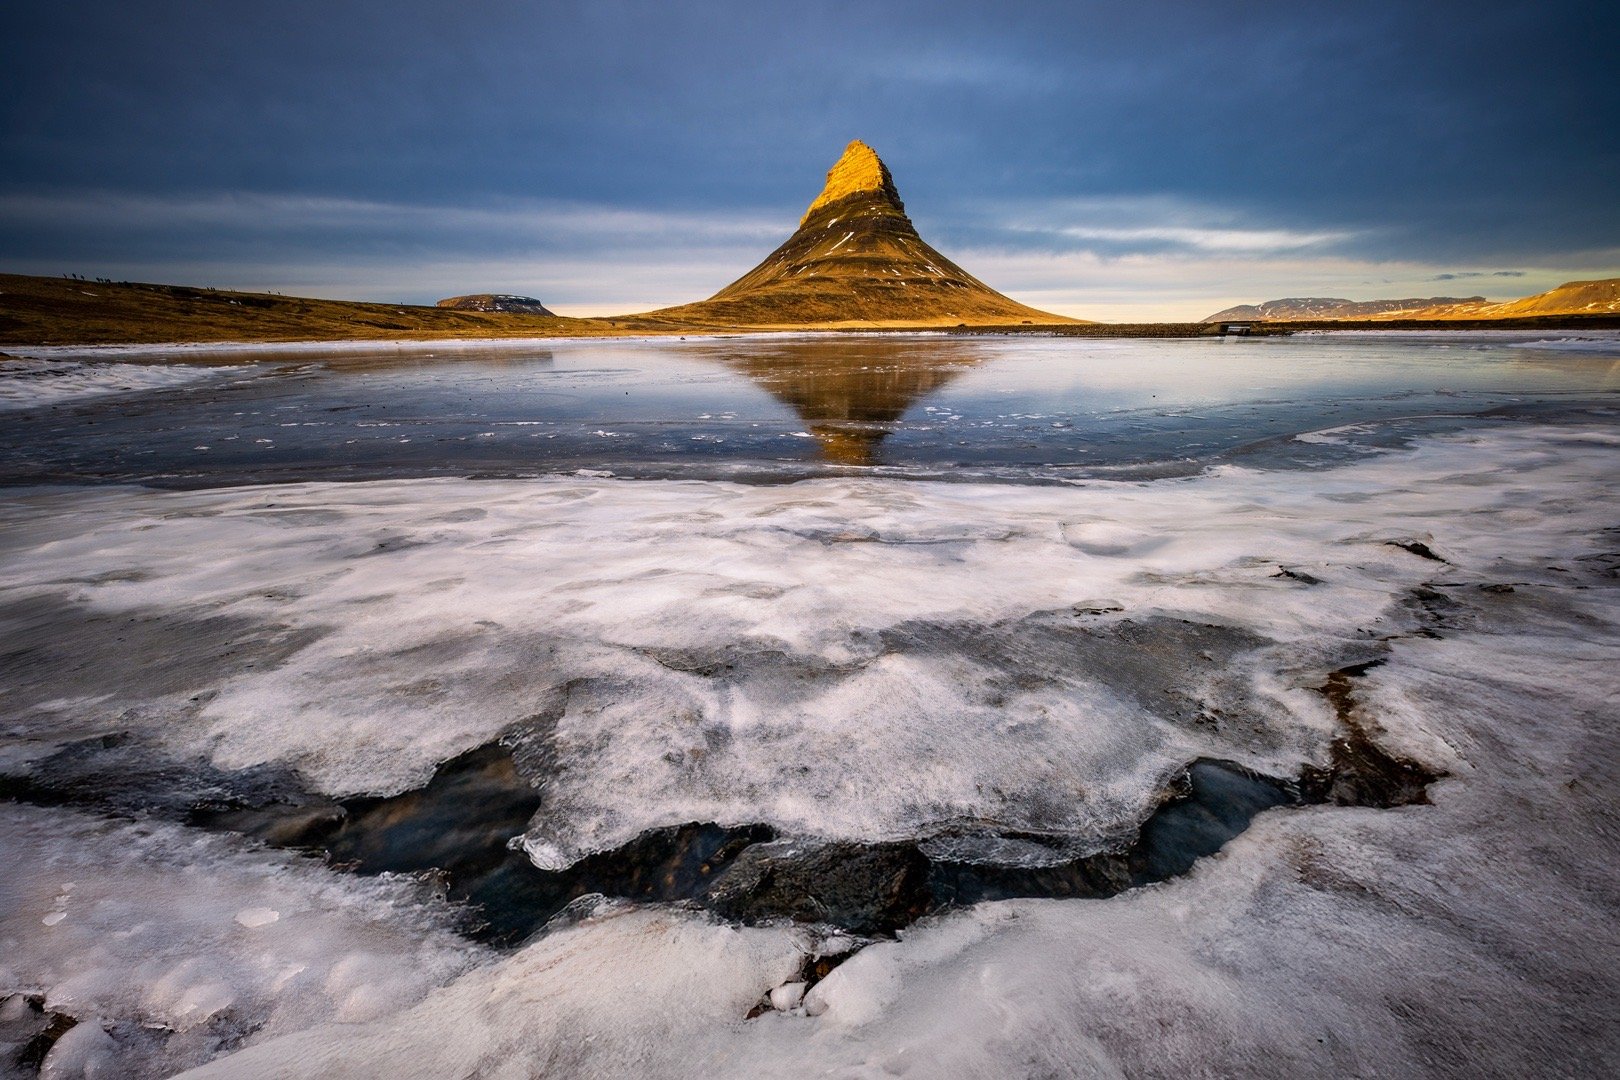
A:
771	407
32	384
670	652
183	947
1002	677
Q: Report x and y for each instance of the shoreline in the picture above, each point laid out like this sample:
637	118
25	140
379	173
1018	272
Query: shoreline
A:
38	312
142	350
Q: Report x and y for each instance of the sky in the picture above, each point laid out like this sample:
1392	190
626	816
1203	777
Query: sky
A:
1109	160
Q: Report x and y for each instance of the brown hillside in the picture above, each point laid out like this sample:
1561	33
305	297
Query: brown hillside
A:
856	260
1571	298
62	311
1325	307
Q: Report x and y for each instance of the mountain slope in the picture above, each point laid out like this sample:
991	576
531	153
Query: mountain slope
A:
856	259
1314	307
60	311
1571	298
1601	297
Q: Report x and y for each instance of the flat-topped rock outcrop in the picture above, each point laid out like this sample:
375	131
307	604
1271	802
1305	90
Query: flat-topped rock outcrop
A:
517	305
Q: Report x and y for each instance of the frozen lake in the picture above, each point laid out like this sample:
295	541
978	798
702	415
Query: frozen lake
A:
853	706
759	407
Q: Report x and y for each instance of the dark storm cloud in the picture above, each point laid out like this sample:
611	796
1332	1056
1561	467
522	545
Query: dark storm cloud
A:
1449	133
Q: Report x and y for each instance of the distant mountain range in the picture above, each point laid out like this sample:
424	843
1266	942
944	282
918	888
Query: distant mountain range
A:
1571	298
856	260
1327	307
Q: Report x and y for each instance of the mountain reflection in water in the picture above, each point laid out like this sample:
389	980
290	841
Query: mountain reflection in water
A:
744	408
852	394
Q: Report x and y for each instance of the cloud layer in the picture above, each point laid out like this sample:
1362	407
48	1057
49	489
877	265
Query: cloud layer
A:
627	154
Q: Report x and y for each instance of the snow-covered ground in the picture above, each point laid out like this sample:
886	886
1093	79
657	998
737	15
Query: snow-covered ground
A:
849	659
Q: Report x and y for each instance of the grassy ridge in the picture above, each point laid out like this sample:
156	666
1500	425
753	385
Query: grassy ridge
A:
59	311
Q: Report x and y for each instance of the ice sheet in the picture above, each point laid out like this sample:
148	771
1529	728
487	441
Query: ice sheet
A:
1512	338
31	383
181	947
193	350
842	659
909	651
786	408
628	992
1472	937
1589	342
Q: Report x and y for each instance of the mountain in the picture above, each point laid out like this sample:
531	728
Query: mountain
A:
1571	298
856	260
1600	297
519	305
1316	307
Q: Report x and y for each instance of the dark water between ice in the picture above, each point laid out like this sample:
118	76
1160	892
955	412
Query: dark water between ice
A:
776	407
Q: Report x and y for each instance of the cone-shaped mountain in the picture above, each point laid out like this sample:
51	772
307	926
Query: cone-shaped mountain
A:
857	259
